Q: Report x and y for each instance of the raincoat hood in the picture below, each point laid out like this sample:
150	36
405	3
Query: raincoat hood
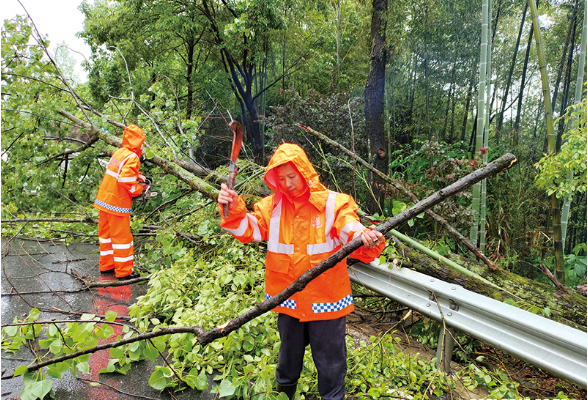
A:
133	138
289	152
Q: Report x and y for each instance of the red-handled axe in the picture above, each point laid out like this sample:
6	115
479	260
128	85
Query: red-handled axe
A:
237	141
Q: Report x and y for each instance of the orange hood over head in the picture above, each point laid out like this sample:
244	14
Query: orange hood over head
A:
133	137
289	152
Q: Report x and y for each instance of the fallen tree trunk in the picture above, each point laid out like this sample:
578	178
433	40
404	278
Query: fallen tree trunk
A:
169	167
407	193
566	308
206	337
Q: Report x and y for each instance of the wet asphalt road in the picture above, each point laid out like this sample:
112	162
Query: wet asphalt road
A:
31	266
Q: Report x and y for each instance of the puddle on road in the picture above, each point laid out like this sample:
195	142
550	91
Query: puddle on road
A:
37	270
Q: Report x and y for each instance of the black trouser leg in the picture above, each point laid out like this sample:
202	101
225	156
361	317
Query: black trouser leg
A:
294	337
327	341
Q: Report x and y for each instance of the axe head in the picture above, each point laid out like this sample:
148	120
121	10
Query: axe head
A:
237	139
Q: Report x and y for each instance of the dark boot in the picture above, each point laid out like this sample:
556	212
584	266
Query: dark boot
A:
289	389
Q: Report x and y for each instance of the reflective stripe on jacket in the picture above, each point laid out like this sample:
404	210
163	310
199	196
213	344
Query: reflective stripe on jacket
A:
119	184
300	233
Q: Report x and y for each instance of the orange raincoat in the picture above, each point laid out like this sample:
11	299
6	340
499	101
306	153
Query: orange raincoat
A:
300	233
115	199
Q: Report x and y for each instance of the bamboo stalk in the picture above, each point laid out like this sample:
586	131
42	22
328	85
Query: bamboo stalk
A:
565	215
440	258
551	136
480	116
486	135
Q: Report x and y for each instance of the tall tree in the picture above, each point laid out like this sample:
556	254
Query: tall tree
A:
510	73
551	138
577	98
480	116
374	102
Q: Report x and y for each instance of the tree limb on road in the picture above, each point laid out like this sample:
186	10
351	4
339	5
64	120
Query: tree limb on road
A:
206	337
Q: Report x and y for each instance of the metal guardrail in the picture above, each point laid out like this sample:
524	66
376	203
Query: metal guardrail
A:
555	347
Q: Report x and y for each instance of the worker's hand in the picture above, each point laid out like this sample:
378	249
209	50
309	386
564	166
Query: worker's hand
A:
143	185
371	238
141	178
227	196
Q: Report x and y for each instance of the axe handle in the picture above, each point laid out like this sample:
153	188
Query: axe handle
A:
230	185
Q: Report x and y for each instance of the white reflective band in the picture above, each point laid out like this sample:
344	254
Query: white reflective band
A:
330	243
319	248
132	189
243	225
273	242
100	240
123	259
111	173
351	226
122	246
240	231
330	213
128	179
106	253
256	232
122	163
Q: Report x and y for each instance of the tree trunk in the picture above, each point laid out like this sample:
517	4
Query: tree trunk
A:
563	56
374	103
509	79
450	96
554	201
566	308
567	80
467	108
523	77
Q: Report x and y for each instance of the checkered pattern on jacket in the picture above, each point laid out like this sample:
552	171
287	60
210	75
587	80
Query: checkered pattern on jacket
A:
331	307
291	304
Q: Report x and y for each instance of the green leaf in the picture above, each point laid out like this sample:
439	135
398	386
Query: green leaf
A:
33	315
20	370
116	352
84	367
110	316
41	388
110	367
11	330
150	352
226	388
158	380
511	302
87	317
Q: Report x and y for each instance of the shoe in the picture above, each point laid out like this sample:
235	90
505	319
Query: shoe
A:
107	272
133	275
289	389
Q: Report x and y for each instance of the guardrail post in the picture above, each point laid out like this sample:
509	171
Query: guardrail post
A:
445	348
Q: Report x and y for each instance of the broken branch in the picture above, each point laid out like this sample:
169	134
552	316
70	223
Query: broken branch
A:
408	193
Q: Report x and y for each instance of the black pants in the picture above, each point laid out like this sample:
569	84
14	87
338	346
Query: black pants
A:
327	342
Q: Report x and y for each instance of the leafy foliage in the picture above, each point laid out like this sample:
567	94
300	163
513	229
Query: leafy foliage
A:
554	168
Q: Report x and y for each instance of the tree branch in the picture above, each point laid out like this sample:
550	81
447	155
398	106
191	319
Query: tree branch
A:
408	193
206	337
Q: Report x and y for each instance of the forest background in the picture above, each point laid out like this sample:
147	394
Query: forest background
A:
424	91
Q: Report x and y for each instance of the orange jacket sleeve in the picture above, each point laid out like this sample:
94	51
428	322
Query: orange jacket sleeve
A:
348	227
128	176
247	227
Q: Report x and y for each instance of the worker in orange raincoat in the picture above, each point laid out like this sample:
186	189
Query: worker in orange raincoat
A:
122	181
304	223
